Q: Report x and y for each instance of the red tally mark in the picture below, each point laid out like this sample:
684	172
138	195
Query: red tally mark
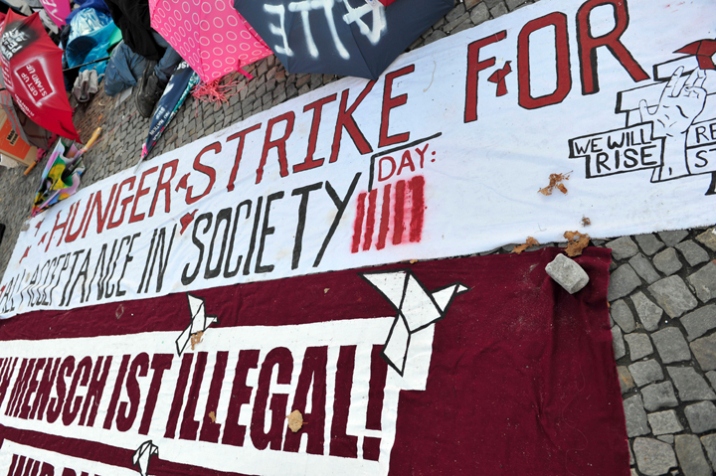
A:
394	213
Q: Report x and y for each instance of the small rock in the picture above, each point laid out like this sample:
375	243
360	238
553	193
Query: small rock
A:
671	345
670	238
709	443
648	312
704	350
649	243
704	282
623	248
635	415
639	345
667	262
700	321
646	372
659	395
643	268
653	457
690	385
622	315
626	382
673	296
295	421
618	343
622	282
701	416
567	273
708	238
692	253
664	422
691	457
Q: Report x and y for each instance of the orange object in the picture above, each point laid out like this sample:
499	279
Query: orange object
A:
12	145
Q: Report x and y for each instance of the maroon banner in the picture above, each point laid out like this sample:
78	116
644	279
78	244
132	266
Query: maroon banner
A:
464	366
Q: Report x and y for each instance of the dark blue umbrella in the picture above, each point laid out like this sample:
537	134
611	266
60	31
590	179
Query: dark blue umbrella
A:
343	37
180	85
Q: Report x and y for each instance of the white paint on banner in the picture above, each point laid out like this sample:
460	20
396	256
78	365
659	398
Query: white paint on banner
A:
442	156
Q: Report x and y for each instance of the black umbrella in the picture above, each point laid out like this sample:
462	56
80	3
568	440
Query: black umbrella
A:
343	37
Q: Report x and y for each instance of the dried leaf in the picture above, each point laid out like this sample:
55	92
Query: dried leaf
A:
295	421
555	181
325	291
576	242
527	244
586	221
212	417
196	339
413	261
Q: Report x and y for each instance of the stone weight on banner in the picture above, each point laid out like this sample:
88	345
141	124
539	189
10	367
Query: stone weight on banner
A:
567	273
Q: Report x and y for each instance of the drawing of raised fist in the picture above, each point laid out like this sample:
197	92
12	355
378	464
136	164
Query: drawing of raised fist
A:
681	102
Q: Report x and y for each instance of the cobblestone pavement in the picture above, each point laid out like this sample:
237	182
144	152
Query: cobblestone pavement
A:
662	291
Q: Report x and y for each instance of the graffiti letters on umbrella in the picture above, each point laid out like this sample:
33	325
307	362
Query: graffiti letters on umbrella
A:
417	309
141	456
200	322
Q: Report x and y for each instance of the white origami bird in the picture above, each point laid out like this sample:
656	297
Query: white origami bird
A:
141	456
417	308
200	322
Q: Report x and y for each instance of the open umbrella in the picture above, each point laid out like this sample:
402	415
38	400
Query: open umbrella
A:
210	35
32	71
347	38
57	10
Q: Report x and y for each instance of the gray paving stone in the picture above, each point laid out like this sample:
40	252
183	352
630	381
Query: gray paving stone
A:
649	243
672	237
567	273
653	457
648	312
623	248
622	282
666	439
622	315
712	378
704	350
709	444
704	282
667	261
708	238
691	457
690	385
692	253
646	372
626	382
643	268
659	395
671	345
664	422
639	345
618	343
701	416
673	296
479	14
700	321
513	4
498	10
636	421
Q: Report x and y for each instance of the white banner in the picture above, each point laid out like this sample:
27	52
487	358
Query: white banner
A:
442	156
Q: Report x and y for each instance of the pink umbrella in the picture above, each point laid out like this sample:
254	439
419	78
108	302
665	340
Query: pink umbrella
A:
57	10
210	35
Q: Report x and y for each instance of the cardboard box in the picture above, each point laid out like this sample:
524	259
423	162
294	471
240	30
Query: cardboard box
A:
12	145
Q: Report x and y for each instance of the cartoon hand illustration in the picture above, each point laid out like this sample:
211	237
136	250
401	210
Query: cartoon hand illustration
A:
681	102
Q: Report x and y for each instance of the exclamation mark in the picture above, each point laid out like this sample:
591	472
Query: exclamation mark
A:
378	374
